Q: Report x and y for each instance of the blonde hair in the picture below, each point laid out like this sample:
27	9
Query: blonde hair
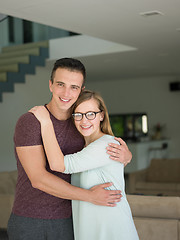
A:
87	95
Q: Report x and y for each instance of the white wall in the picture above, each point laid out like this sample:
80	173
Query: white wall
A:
34	92
145	95
125	96
83	45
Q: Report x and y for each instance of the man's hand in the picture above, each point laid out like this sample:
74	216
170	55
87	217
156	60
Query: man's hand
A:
120	152
104	197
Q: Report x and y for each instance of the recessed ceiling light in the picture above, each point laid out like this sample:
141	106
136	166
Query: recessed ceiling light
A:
151	13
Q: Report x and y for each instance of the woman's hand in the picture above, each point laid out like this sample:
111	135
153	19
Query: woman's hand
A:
41	113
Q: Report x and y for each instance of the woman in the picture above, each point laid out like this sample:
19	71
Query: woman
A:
91	166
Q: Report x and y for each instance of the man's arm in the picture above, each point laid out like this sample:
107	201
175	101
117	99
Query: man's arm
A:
33	161
120	152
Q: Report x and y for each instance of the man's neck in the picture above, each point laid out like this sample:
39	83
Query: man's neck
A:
60	114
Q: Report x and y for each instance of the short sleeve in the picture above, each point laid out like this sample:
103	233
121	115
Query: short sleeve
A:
27	131
92	156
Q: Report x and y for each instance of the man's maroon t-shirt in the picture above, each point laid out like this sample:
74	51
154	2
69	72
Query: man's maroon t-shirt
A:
31	202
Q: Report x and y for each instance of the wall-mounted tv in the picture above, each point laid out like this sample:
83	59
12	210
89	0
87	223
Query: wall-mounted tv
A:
129	126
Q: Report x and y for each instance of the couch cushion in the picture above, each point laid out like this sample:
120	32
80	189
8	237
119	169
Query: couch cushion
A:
156	229
155	206
178	187
164	170
6	203
8	182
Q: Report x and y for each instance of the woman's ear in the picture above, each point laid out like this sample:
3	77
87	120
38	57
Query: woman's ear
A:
101	116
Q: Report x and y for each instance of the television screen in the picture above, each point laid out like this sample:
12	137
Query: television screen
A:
129	126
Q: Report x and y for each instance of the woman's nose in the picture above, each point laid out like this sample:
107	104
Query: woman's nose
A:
84	119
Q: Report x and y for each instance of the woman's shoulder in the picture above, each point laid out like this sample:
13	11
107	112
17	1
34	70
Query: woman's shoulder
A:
107	139
102	142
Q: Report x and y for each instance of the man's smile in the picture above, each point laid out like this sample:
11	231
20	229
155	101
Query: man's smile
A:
64	100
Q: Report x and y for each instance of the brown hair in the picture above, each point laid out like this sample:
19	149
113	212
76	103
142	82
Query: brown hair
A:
70	64
87	95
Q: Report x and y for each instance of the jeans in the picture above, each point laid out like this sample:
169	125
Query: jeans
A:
25	228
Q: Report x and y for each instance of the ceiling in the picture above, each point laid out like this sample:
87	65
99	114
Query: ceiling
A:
156	37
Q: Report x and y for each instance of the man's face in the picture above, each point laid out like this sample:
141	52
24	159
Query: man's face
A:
66	88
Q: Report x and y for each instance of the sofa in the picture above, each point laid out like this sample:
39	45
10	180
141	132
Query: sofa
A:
7	190
156	217
162	178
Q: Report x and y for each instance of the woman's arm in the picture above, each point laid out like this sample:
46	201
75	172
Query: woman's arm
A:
93	156
56	186
53	151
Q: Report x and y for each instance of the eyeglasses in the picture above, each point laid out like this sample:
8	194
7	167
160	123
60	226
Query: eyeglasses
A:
89	115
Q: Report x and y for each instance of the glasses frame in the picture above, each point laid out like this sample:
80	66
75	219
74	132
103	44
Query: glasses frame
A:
85	114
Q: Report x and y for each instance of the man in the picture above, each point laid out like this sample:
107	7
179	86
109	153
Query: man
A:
41	208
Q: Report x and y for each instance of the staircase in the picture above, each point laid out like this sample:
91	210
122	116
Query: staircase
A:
17	61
